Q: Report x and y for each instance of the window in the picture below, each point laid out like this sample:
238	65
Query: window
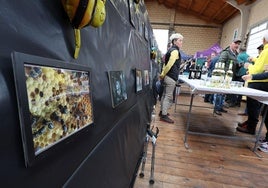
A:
255	39
161	37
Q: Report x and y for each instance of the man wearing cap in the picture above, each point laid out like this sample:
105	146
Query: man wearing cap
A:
227	56
253	106
169	75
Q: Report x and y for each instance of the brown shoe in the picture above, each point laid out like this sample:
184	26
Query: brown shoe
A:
245	123
165	118
245	130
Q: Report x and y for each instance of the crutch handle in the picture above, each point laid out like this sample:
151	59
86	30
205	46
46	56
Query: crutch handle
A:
151	133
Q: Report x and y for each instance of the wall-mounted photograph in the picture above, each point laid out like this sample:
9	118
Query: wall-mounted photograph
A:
146	32
138	79
146	77
118	87
131	12
235	35
55	101
141	27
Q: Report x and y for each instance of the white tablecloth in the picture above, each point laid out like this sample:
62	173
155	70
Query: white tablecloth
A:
198	87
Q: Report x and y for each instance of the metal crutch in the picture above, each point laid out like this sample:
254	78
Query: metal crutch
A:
144	155
145	147
153	138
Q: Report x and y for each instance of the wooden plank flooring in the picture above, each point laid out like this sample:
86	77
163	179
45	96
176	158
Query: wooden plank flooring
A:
209	162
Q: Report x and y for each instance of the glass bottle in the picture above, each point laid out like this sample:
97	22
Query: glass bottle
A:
229	74
216	75
222	72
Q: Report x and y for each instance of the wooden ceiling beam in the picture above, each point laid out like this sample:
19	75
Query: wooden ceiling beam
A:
190	5
231	13
205	5
219	11
217	14
182	10
248	2
227	16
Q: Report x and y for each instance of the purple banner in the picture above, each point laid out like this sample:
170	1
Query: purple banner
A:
206	53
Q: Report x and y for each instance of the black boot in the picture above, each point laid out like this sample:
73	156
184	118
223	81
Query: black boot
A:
165	118
160	114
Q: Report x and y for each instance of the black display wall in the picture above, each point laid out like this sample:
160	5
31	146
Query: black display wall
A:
108	152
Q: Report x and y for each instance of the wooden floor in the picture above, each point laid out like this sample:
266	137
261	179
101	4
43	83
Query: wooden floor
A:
209	162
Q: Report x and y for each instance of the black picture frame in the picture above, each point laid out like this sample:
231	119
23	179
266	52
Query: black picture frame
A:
138	80
54	101
131	12
146	32
141	28
118	88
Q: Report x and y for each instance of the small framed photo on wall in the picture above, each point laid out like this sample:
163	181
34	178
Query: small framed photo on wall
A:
131	12
138	80
146	77
118	87
235	36
146	32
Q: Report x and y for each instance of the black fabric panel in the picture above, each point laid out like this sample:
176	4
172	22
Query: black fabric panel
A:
106	154
127	138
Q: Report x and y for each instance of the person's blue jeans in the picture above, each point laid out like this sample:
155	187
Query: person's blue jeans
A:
218	101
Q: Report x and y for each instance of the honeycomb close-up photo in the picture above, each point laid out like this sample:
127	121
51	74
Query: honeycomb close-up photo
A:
59	103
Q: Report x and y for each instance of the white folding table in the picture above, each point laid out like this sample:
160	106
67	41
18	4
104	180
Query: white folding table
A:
198	87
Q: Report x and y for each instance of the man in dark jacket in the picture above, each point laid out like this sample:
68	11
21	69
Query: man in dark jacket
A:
229	57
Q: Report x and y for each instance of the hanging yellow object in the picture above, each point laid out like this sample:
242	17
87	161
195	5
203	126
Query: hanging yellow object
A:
82	13
77	42
99	14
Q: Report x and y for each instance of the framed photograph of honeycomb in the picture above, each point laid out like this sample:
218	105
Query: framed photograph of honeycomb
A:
54	101
118	87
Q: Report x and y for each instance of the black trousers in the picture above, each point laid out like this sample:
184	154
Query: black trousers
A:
253	106
266	120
